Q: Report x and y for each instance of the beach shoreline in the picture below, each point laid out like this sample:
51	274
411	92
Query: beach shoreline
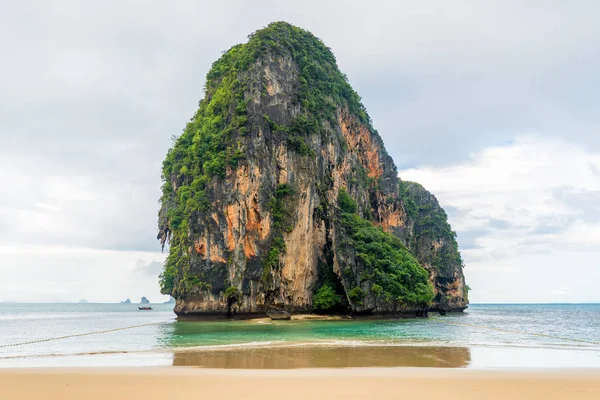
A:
311	355
150	383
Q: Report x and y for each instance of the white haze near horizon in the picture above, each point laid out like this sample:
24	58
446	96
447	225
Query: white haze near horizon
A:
493	106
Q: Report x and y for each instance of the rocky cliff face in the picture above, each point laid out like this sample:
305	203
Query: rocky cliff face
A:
431	239
280	194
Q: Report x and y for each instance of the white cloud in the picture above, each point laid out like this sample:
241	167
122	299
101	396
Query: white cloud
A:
46	203
60	273
527	200
562	291
67	234
535	278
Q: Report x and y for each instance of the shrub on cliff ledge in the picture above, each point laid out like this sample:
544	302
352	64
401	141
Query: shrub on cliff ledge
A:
232	294
345	202
326	299
356	295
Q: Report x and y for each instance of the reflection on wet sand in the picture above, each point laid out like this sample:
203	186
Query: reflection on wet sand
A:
326	357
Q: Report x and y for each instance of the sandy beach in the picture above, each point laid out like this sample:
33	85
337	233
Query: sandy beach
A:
379	383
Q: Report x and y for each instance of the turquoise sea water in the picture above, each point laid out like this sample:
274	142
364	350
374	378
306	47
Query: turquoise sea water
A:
491	336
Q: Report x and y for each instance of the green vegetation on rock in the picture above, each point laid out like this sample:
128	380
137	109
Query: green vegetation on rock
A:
430	224
326	299
394	272
356	296
232	294
281	206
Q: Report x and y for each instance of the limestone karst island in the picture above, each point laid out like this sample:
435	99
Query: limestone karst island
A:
280	197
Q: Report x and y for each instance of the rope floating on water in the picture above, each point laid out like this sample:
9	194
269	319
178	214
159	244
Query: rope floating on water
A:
80	334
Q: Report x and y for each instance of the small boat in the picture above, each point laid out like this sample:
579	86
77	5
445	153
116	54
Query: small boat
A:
145	308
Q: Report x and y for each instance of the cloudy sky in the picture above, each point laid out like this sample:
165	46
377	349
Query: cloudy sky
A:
494	106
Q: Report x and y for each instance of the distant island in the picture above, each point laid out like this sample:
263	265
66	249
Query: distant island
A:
83	301
128	301
170	301
144	300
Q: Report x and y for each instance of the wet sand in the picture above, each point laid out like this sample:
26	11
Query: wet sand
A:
372	383
326	356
